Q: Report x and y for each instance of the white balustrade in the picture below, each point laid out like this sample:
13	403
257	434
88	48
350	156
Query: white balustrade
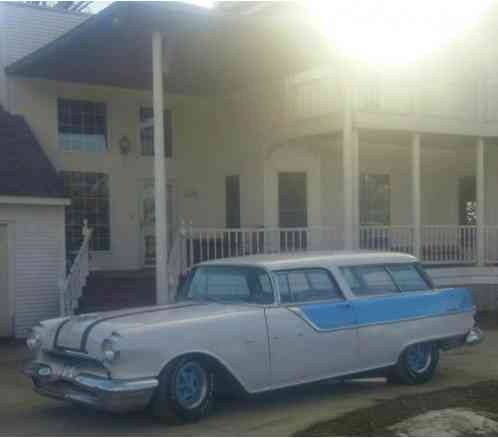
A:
71	287
449	244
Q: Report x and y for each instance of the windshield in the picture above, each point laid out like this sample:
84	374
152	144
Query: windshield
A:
228	284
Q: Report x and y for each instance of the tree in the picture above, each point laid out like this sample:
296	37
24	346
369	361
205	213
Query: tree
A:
67	6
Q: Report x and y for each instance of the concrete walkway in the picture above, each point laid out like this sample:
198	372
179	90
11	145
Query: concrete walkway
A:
280	413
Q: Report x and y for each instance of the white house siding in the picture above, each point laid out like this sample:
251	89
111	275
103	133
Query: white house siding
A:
24	29
36	262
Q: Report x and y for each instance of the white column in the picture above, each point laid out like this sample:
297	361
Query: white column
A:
480	198
416	195
350	163
162	295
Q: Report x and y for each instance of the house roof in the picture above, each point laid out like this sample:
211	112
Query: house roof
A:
207	51
25	170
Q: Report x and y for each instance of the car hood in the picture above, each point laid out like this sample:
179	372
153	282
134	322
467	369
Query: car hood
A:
75	333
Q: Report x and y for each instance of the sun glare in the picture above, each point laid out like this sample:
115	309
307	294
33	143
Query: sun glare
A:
394	31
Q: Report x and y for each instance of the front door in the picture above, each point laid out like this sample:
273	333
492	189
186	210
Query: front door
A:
292	210
148	222
5	325
313	332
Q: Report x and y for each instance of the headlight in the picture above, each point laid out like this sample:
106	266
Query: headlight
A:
110	351
34	339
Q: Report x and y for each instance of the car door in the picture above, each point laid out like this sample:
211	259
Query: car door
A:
312	331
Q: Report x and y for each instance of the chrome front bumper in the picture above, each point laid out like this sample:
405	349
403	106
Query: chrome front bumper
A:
108	394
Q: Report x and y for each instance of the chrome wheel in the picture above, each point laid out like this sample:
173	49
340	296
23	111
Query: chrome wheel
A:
419	357
191	385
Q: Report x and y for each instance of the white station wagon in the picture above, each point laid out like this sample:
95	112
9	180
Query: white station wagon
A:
257	323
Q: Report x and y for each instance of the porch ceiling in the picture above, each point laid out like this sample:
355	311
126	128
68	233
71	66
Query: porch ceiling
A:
208	52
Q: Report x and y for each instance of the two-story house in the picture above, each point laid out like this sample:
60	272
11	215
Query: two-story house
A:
269	141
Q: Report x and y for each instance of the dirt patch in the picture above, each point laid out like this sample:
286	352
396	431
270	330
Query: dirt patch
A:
376	420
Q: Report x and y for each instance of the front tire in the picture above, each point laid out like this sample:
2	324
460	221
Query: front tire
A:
416	365
185	391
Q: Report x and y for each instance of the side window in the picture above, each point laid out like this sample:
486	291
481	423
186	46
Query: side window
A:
369	280
408	278
304	285
283	287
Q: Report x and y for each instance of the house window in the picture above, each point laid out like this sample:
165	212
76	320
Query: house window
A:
292	199
147	132
82	125
232	201
467	200
375	199
89	194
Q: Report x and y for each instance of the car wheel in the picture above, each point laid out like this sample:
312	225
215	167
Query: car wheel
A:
416	365
185	391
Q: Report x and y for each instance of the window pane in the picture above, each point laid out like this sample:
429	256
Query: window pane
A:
408	278
307	285
81	125
232	201
228	284
369	280
375	200
146	118
283	287
89	194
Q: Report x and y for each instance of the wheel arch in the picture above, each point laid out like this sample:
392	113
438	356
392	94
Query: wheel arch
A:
218	366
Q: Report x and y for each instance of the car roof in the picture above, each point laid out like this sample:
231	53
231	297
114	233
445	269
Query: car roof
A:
320	258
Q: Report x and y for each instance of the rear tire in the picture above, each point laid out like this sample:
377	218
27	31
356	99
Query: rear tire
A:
416	365
185	391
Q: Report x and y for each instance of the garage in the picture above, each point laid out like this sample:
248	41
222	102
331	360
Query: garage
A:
32	237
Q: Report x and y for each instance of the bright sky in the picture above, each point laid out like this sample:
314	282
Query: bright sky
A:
394	31
386	32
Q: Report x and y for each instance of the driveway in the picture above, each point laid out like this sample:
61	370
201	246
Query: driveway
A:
280	413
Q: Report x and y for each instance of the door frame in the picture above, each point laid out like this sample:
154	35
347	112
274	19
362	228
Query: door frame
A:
11	255
174	216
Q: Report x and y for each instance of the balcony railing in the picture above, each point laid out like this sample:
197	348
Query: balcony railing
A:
449	244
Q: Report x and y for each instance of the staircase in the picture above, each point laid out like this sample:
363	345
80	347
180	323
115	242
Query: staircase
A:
113	290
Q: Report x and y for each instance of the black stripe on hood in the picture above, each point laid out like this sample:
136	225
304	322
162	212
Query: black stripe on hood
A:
86	333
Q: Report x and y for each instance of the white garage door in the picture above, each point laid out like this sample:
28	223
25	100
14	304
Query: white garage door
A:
5	325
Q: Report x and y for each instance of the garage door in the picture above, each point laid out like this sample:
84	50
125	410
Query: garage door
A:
5	325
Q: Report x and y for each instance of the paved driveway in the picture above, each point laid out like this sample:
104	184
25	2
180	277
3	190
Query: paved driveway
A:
280	413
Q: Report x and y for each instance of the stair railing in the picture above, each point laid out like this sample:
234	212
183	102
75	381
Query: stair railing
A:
71	288
176	260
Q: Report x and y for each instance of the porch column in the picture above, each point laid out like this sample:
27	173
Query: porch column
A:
416	195
481	207
350	164
162	295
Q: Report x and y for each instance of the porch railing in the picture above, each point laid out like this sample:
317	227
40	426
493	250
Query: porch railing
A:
491	244
387	238
195	245
72	286
439	244
449	244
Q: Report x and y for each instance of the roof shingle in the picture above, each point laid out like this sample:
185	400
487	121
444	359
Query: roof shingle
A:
25	169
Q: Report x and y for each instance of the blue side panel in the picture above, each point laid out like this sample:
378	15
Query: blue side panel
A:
387	308
410	305
329	316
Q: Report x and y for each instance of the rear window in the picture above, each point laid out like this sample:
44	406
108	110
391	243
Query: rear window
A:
384	279
408	277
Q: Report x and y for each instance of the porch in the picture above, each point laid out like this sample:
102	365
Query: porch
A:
266	157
